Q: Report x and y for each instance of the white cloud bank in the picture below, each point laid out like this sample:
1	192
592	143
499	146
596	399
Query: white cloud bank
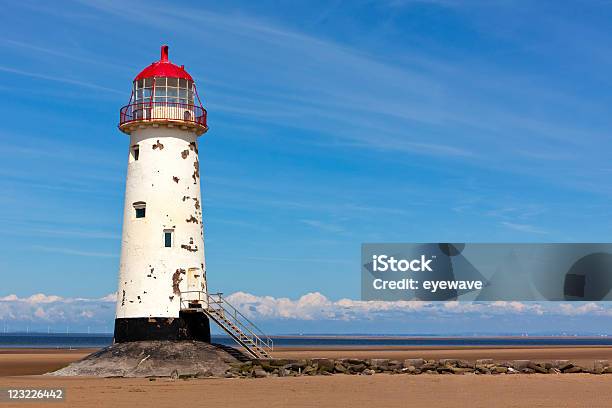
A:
51	309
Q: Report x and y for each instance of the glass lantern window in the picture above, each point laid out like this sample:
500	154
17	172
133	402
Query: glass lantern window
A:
167	90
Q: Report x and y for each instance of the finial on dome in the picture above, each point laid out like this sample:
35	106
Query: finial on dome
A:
164	53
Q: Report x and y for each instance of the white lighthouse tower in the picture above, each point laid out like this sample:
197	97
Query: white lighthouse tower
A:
162	271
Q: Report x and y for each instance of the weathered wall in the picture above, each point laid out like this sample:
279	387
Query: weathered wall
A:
166	177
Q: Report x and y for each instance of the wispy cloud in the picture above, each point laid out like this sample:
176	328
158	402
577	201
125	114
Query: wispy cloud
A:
296	259
54	51
52	78
324	226
72	251
532	229
71	233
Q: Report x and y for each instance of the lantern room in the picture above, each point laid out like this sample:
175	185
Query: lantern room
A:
164	94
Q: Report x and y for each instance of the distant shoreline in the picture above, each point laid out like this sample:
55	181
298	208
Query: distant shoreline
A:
349	336
346	342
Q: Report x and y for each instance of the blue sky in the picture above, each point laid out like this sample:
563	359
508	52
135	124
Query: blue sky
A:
331	124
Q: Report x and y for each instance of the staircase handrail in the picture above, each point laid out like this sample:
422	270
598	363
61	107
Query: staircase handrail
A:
234	313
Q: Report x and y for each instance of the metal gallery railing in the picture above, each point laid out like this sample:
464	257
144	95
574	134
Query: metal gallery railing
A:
156	111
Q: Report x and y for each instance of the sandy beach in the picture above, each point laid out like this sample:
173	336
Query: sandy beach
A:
24	368
575	390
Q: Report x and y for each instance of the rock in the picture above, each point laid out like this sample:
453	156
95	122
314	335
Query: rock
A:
599	366
484	361
449	362
264	363
310	370
229	374
259	373
187	376
430	365
607	370
395	366
324	364
280	362
541	370
339	368
368	371
356	368
500	370
511	370
566	366
461	370
415	362
520	364
559	363
204	374
379	364
537	368
298	365
174	375
410	369
574	369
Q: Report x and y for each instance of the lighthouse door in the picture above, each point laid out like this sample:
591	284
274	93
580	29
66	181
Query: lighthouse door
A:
194	277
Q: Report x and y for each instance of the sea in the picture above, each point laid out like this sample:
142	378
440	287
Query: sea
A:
85	340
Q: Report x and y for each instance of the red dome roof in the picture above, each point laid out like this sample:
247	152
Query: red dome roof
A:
164	68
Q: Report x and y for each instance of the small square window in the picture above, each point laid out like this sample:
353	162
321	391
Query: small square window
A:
168	238
134	153
140	208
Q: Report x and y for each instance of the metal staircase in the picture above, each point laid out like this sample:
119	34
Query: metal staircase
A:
238	326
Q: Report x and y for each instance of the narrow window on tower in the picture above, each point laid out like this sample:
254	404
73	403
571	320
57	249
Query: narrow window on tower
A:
134	153
140	208
168	238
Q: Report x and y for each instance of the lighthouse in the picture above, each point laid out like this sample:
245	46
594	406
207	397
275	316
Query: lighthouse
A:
162	291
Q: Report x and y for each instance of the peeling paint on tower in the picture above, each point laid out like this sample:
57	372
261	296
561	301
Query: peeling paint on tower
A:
163	241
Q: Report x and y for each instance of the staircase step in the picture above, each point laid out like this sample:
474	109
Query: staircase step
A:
232	325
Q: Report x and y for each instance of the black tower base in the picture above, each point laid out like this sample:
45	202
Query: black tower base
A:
188	326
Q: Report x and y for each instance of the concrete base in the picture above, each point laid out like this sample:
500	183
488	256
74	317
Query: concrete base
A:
156	359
